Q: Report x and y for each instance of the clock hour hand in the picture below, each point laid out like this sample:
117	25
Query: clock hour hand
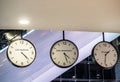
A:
107	53
24	55
66	55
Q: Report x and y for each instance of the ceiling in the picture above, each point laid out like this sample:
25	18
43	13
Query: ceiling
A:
85	15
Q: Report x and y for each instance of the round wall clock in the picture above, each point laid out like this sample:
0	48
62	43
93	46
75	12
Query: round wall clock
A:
105	54
21	52
64	53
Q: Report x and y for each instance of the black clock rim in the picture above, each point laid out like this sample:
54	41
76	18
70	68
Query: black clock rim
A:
105	68
60	65
14	63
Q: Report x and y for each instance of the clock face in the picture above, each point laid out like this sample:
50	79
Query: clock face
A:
105	54
21	53
64	53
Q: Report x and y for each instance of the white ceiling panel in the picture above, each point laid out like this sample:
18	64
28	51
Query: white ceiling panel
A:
86	15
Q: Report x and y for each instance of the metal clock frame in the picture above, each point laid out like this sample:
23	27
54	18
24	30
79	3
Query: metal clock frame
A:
106	68
18	65
56	43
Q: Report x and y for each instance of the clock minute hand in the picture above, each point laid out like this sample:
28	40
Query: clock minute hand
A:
105	56
105	60
65	57
24	55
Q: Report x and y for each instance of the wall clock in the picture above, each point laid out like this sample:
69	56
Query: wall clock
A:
21	52
105	54
64	53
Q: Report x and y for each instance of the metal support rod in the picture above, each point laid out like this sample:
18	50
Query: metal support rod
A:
63	35
103	36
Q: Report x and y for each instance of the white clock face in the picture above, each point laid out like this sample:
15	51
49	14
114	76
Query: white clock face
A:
105	54
21	53
64	53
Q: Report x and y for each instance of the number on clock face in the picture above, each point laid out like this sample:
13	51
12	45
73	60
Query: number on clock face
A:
105	54
64	53
21	53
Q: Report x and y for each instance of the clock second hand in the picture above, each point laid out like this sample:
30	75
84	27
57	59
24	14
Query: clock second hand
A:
24	55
